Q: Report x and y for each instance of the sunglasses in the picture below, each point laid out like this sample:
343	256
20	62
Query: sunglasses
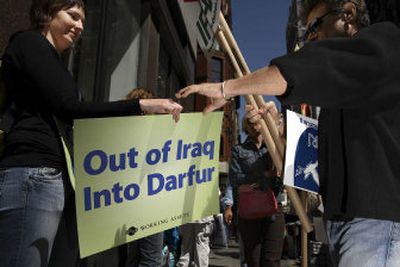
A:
317	22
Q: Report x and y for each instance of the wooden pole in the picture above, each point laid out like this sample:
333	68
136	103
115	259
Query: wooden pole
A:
259	99
304	235
277	157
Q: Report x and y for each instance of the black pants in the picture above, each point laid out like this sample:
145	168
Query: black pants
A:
263	240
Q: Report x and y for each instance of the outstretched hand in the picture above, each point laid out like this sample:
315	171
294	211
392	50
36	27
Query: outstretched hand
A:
168	106
211	90
255	116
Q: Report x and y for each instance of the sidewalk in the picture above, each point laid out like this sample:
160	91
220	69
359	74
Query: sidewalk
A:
225	257
229	257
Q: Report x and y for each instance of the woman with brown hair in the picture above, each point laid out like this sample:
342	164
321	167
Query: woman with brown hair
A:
33	179
251	170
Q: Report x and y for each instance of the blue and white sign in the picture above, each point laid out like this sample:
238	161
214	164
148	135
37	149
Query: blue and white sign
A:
301	165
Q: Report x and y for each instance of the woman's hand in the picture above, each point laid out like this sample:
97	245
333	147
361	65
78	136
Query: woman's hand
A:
255	116
228	215
150	106
211	90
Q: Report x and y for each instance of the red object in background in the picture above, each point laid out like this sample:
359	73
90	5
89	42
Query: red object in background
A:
305	110
257	204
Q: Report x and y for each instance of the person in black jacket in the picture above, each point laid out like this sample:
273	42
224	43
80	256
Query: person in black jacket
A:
32	175
351	70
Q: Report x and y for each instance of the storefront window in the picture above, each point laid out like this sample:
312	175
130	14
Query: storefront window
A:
108	52
163	72
168	78
119	36
216	70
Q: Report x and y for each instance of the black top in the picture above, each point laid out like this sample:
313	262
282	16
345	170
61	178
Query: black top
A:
357	83
40	86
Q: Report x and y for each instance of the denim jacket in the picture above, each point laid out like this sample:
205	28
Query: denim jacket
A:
249	164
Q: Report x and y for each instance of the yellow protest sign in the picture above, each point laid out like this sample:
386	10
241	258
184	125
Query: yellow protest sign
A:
136	176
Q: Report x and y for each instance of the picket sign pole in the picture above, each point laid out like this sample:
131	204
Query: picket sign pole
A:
259	99
251	101
267	125
304	234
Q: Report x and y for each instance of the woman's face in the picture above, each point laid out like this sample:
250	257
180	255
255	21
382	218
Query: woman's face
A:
65	27
251	132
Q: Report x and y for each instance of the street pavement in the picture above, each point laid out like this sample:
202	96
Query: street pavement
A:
226	257
229	257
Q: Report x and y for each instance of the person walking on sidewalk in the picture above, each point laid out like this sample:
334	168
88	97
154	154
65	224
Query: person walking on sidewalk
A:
251	169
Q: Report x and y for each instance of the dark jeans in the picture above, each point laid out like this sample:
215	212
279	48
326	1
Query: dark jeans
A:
146	251
263	240
65	251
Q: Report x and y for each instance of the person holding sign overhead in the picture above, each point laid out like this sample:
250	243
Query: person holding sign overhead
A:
350	69
251	170
33	179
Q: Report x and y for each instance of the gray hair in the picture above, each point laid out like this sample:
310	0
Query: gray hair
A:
362	18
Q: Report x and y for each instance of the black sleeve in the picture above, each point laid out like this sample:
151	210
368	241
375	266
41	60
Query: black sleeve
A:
37	59
344	72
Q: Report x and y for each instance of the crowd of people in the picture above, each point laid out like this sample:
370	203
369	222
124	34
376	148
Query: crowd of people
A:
347	67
